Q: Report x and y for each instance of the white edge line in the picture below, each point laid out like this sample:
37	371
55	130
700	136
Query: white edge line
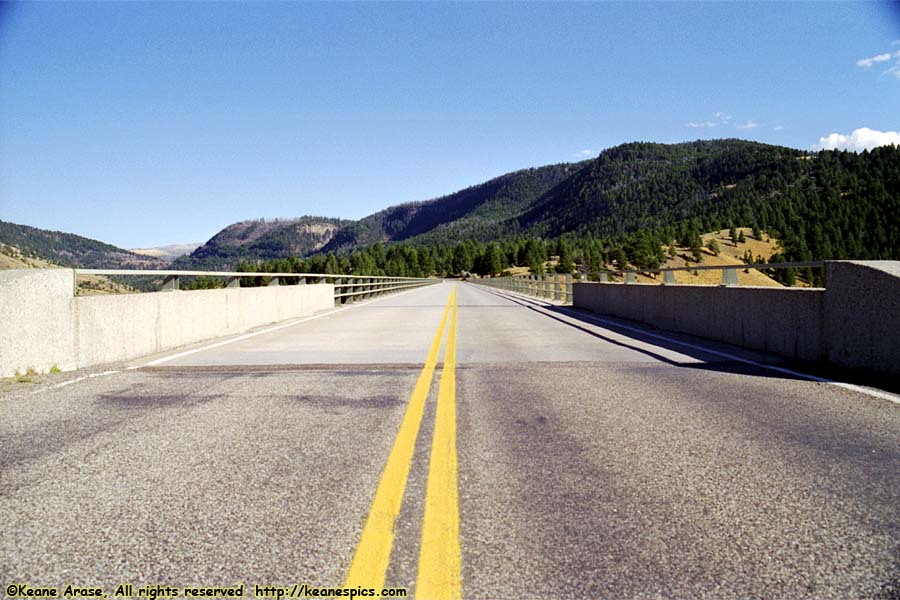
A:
849	386
76	380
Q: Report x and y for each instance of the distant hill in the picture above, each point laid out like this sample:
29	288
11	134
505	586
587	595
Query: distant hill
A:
167	253
70	250
261	240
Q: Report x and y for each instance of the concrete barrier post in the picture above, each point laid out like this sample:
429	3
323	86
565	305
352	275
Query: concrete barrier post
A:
37	324
862	315
729	277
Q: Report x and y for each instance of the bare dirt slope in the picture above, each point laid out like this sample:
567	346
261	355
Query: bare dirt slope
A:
729	254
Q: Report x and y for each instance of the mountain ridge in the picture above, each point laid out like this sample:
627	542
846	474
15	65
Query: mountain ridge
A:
632	198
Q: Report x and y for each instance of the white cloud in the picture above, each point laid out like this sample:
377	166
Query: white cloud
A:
861	139
586	153
748	125
721	118
895	43
865	63
779	128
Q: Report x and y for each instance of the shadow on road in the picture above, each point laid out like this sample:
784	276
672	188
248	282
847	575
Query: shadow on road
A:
715	356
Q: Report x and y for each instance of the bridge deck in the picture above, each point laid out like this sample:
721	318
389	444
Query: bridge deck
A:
593	461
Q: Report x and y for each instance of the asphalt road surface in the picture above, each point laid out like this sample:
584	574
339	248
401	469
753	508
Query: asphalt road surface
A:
459	444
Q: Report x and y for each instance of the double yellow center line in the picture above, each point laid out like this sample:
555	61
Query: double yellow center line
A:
440	561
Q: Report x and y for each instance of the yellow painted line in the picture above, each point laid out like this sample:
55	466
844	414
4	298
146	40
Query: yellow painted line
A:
373	553
440	561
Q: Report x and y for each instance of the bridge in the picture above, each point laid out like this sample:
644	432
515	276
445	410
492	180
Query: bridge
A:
455	440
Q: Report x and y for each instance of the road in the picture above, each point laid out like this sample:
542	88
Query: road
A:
557	456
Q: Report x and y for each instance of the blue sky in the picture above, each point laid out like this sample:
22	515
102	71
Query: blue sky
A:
148	124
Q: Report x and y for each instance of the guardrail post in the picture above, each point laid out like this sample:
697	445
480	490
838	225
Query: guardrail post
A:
170	283
629	278
233	282
556	294
273	281
729	277
348	290
568	284
668	277
302	281
603	277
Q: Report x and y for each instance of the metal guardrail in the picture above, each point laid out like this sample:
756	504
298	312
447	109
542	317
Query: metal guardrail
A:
551	287
346	287
559	287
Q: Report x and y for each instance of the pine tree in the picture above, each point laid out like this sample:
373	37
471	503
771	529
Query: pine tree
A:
565	263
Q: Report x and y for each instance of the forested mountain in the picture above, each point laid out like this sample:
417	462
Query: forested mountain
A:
474	212
639	201
72	250
826	205
464	214
641	185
